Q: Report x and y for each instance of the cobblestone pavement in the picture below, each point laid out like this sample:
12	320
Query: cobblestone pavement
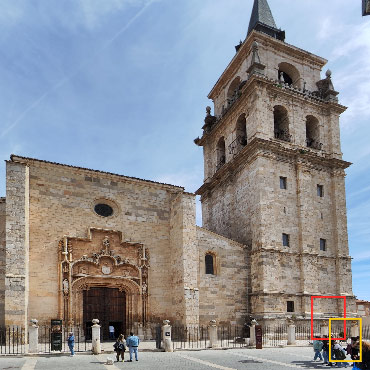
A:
232	359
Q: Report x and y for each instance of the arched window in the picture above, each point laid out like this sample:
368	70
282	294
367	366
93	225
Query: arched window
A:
221	155
233	91
281	123
209	264
289	74
312	133
241	130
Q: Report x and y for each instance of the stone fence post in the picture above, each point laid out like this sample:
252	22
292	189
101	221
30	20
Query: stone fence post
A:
212	334
355	330
33	332
252	341
324	330
166	336
140	331
95	337
291	334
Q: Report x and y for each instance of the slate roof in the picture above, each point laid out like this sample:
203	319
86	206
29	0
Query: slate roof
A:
261	13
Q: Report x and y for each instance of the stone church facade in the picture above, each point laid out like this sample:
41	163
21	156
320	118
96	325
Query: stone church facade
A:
78	244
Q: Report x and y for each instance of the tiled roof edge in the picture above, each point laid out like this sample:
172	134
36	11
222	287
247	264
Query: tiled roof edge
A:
14	157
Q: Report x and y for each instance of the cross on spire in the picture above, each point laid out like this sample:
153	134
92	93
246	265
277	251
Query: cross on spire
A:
262	20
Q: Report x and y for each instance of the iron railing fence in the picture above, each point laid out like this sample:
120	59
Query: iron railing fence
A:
197	337
274	336
82	339
366	333
12	340
233	336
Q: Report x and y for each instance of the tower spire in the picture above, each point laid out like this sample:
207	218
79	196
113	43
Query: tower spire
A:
262	20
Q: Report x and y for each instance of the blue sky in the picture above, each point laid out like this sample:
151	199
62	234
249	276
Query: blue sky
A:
121	86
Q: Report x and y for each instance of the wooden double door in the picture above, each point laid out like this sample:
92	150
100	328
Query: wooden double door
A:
109	306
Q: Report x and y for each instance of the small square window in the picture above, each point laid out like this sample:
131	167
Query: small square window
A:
323	245
290	306
320	191
283	183
286	240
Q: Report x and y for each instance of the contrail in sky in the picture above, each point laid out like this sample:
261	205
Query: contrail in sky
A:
83	64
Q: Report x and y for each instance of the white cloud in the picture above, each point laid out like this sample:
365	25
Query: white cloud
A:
94	11
352	77
191	181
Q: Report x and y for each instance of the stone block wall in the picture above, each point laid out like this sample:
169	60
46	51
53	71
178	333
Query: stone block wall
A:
62	199
17	244
2	260
183	259
222	296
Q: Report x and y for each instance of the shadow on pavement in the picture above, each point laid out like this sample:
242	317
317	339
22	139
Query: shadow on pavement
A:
251	362
310	364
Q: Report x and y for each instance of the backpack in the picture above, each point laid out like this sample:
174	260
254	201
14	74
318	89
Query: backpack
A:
119	346
339	355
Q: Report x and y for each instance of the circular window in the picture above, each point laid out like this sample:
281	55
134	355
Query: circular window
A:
103	210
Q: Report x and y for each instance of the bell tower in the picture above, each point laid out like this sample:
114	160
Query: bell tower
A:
274	173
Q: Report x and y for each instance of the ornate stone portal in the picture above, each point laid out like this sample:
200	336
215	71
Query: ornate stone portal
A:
103	260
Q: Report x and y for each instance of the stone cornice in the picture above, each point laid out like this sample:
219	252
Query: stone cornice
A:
245	49
273	148
273	87
87	171
306	294
298	254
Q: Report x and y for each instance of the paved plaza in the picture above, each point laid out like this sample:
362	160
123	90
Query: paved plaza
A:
232	359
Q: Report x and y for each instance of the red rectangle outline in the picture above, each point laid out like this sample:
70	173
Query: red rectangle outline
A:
344	315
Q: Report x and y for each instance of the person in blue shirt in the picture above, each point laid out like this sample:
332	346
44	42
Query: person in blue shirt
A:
133	343
71	343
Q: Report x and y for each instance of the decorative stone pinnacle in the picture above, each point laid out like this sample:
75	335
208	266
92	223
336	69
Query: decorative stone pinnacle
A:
255	56
256	66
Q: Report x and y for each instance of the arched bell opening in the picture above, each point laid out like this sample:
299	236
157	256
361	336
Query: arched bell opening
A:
220	153
281	123
289	74
312	133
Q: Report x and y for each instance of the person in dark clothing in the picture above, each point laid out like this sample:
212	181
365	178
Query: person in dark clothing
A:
365	363
325	350
71	343
355	348
120	347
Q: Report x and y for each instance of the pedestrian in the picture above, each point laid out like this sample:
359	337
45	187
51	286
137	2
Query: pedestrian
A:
340	354
133	344
325	350
355	348
111	332
317	347
120	347
71	343
365	360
